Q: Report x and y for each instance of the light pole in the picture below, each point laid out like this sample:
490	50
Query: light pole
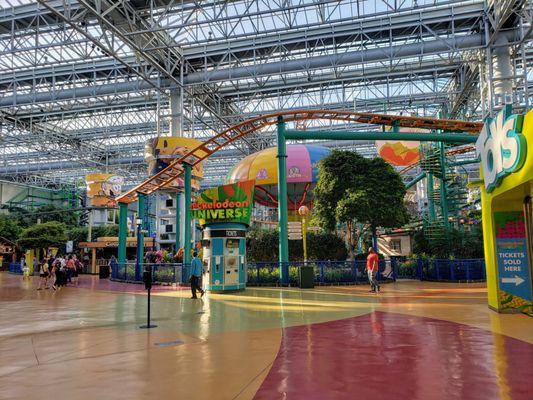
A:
304	211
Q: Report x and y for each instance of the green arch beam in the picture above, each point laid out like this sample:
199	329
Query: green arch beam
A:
343	135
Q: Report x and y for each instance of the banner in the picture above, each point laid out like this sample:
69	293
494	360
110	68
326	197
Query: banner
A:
159	152
513	261
227	203
102	189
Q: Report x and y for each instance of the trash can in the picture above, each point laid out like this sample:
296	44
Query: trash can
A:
307	277
104	272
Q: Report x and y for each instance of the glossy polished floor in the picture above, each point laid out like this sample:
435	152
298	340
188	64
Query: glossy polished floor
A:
413	341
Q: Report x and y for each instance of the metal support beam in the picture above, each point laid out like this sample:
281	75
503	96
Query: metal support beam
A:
431	201
178	218
140	236
282	204
464	162
187	220
417	179
422	137
342	59
176	112
122	232
443	191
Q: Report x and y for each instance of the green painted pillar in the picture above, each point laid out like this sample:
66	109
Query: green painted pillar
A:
431	195
282	204
443	191
187	230
122	232
141	198
177	242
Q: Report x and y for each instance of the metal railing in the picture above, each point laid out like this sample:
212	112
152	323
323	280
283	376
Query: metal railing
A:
326	272
164	273
15	268
445	270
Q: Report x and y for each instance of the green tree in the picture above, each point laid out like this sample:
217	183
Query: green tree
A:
43	236
360	193
77	234
9	227
51	212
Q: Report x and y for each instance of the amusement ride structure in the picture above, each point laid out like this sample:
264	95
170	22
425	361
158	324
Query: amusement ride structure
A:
440	131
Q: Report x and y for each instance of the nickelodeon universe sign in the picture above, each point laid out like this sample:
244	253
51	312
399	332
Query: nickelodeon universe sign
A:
220	210
501	147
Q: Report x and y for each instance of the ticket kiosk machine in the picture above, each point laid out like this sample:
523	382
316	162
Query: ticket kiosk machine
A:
224	257
224	213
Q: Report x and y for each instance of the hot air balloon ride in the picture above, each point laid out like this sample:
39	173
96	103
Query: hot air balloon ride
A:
302	174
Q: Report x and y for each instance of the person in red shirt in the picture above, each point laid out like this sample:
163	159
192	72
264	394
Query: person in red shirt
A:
372	264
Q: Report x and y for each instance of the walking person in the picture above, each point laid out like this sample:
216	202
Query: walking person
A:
43	275
71	269
75	269
196	275
372	265
25	269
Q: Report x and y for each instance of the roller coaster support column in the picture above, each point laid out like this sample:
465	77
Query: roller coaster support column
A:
431	201
282	205
140	235
178	226
122	232
443	191
187	230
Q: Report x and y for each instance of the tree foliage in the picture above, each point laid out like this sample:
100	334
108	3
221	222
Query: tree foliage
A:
9	227
50	212
79	233
458	243
262	245
42	236
352	189
46	213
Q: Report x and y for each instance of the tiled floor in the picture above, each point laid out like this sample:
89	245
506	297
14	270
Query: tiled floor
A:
413	341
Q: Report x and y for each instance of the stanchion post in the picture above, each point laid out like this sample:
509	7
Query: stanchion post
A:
147	279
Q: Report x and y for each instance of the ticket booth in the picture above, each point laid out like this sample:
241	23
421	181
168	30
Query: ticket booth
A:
224	256
505	147
224	213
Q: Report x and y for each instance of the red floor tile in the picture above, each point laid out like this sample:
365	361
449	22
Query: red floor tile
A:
398	357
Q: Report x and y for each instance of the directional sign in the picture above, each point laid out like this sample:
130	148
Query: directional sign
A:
516	280
295	230
512	255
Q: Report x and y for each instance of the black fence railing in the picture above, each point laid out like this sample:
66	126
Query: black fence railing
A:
446	270
326	272
15	268
165	273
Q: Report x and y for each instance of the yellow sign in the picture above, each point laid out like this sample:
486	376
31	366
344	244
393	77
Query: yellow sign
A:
161	151
102	189
503	192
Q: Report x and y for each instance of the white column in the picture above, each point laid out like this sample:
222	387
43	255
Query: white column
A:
176	112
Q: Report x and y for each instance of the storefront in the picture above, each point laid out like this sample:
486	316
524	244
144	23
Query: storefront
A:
505	147
105	247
